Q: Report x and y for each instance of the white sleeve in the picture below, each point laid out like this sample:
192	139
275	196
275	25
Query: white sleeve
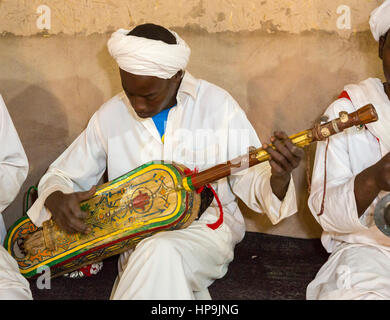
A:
13	159
340	212
253	185
13	286
78	169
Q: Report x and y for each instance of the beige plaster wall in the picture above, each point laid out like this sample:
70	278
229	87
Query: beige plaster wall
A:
283	61
99	16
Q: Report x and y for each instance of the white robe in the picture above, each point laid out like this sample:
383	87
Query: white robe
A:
13	172
351	272
206	118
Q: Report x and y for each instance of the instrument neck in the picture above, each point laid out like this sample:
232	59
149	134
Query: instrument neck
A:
254	157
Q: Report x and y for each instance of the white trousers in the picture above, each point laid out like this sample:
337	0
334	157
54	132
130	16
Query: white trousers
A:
353	272
13	286
175	265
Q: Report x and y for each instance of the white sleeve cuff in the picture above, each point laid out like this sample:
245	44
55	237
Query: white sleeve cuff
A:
38	213
340	211
279	210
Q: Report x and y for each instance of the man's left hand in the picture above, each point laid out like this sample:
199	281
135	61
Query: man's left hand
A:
284	159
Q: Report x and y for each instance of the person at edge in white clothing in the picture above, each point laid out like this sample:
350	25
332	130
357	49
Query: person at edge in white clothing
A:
13	172
358	176
122	136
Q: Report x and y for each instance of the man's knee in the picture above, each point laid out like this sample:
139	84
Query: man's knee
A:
159	245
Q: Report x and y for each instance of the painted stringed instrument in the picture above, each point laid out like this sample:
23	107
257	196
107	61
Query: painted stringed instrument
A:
155	197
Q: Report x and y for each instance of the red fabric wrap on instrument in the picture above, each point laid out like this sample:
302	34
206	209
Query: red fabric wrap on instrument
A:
216	224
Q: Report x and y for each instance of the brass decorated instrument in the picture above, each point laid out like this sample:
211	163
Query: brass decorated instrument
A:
155	197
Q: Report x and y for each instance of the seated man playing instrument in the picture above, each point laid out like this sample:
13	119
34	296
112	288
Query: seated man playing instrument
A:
13	172
355	166
164	113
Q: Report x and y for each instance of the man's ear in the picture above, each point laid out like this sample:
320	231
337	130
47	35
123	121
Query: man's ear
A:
382	41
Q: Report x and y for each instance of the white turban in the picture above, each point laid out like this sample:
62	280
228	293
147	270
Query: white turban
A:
146	57
380	20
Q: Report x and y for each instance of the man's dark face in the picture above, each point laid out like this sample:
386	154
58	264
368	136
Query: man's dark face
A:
384	54
149	95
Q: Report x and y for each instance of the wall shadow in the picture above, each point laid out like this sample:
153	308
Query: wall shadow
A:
45	124
292	97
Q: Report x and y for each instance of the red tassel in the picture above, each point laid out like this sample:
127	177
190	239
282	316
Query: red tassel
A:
216	224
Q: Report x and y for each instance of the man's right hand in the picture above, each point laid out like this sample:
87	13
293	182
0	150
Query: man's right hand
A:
66	212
